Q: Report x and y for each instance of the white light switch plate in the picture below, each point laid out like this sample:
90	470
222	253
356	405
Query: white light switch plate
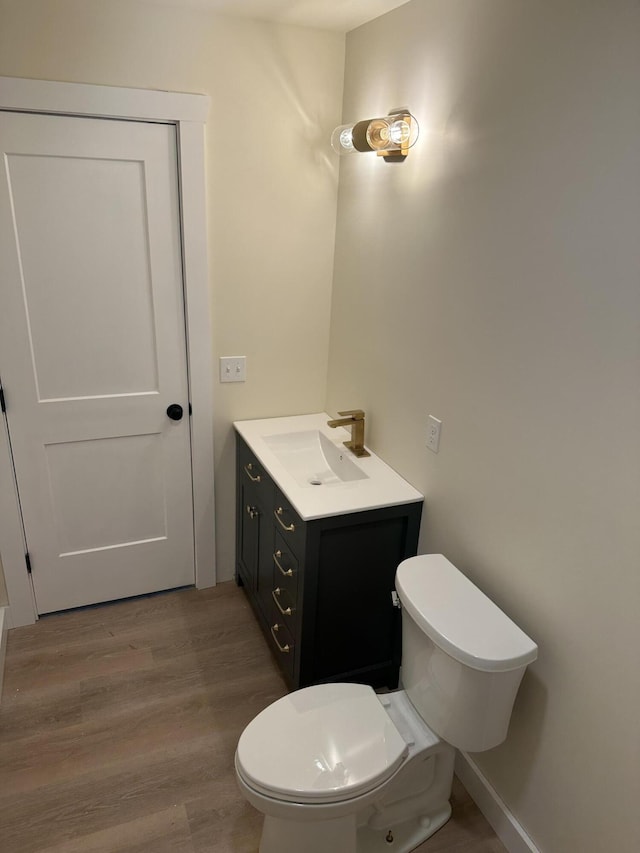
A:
233	368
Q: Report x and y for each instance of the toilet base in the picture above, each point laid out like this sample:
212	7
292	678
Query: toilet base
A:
342	836
337	835
402	837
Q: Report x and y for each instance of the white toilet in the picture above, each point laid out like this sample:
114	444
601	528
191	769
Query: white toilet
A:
336	768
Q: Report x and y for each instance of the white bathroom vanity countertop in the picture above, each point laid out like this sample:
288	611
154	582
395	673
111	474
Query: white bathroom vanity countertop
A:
381	486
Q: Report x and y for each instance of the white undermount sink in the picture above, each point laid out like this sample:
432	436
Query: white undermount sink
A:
312	459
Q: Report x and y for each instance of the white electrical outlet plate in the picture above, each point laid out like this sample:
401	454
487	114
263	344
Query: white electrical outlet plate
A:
433	433
233	368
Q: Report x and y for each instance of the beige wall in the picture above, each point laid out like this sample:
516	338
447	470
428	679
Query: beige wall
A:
276	94
492	280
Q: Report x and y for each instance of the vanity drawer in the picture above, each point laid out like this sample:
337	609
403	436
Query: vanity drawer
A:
283	644
251	470
285	606
288	524
285	567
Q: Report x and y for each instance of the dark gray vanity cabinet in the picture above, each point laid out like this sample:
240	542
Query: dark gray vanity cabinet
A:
321	589
254	529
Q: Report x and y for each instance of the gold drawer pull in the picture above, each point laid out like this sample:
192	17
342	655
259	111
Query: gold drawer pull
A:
275	594
288	527
284	649
247	470
288	573
252	511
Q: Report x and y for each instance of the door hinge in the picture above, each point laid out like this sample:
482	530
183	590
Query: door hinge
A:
190	409
3	405
27	560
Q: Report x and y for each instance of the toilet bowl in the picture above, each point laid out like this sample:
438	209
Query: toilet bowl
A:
337	768
354	764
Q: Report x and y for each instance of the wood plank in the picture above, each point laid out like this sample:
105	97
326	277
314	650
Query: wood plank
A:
167	831
27	713
90	746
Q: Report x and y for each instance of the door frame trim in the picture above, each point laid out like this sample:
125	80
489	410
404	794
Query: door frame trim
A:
188	113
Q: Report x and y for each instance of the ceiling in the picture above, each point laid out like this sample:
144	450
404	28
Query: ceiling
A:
340	15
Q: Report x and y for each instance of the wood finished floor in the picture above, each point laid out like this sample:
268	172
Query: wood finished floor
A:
118	726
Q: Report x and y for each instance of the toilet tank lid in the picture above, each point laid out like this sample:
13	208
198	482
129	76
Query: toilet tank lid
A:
459	617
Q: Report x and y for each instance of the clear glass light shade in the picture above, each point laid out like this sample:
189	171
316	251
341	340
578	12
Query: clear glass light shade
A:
400	132
342	139
394	134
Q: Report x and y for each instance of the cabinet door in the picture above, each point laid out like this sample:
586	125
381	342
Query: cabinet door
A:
249	522
255	529
355	631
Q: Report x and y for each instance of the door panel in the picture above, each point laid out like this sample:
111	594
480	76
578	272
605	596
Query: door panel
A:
110	237
92	352
123	473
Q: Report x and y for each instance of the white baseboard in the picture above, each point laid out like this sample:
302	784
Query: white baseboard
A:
4	627
504	823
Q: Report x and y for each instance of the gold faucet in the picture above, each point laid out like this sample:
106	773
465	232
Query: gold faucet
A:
355	420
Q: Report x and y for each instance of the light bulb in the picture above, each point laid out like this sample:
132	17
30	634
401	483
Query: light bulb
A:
399	132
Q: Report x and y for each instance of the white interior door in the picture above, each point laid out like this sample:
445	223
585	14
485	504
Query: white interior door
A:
92	354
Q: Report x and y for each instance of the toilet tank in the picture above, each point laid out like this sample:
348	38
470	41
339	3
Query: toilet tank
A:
462	657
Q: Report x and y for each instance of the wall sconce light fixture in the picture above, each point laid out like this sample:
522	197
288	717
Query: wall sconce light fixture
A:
390	136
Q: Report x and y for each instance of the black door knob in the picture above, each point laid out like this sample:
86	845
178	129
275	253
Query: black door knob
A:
174	411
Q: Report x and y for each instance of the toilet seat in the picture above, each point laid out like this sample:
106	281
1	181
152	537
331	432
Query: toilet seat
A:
321	744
